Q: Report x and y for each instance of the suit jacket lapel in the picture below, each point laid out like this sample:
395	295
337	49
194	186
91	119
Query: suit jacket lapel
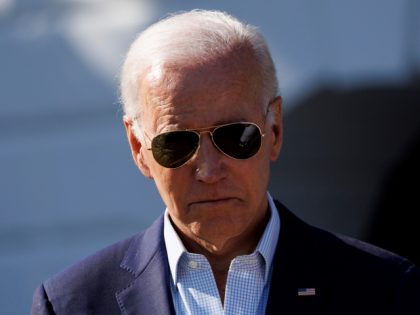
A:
146	259
296	269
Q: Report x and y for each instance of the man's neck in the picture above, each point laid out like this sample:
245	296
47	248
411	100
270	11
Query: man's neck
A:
220	253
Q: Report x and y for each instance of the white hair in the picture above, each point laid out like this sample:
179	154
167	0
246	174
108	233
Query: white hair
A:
194	36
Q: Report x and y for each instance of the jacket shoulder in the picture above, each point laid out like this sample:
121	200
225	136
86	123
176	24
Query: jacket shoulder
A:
339	249
344	271
103	264
90	284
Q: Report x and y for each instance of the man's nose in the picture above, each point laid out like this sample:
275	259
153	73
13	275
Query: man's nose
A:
210	167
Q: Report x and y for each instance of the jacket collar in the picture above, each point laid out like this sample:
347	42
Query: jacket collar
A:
296	284
146	260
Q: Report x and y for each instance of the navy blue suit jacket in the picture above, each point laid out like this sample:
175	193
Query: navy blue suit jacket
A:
349	277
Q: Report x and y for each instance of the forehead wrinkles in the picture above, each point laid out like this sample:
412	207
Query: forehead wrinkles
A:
170	116
156	86
160	94
154	93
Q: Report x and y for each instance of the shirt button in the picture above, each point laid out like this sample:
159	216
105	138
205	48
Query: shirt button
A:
193	264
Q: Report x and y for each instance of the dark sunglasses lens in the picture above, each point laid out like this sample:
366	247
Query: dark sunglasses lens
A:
240	141
173	149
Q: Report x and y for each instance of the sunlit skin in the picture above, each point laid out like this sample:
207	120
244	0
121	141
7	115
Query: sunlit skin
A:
218	205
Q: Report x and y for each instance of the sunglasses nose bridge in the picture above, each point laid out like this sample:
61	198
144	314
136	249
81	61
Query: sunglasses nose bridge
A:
200	137
209	161
210	132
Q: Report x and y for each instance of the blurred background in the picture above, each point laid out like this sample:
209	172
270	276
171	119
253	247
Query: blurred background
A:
349	74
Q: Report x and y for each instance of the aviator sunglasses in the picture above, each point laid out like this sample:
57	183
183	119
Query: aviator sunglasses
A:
240	140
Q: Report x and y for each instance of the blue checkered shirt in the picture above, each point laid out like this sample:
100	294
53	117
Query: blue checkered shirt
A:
194	290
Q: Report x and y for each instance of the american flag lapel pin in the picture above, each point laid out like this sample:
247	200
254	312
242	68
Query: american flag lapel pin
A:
306	292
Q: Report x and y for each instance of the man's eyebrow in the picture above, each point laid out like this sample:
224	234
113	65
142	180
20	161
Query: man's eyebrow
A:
217	123
229	121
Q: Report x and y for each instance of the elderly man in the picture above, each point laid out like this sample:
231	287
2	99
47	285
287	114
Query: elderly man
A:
203	120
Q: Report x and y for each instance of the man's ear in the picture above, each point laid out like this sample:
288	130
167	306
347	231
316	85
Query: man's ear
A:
137	150
276	113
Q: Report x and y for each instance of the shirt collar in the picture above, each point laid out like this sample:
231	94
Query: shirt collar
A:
266	246
268	242
174	246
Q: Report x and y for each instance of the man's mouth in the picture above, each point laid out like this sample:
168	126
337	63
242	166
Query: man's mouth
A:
214	201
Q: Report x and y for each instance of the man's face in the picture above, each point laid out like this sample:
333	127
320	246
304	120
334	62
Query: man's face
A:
213	199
